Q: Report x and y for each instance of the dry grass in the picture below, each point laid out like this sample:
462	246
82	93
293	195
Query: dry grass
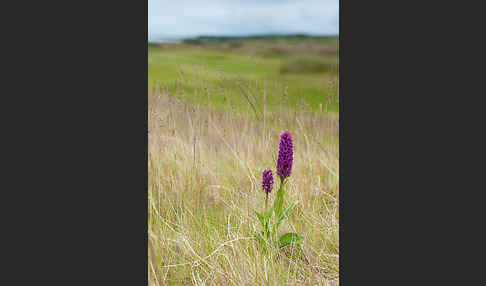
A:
204	179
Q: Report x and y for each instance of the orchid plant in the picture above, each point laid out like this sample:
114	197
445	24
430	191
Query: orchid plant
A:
268	236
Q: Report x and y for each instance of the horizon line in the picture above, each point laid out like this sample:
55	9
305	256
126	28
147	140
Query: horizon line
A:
187	37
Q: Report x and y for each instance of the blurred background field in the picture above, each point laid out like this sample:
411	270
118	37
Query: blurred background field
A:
290	71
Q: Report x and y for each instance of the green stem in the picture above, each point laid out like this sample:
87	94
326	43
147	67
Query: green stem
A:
278	206
266	215
266	202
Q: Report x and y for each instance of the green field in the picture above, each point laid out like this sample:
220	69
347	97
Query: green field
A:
292	73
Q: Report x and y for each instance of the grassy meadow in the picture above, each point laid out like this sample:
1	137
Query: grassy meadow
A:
216	112
306	71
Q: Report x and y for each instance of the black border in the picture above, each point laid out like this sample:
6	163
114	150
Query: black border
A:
81	209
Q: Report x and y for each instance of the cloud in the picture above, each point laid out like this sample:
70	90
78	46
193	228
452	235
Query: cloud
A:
183	18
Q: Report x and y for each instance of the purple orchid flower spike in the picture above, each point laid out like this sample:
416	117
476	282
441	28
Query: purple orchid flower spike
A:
267	182
285	155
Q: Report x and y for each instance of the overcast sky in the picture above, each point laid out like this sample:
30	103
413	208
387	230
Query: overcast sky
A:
185	18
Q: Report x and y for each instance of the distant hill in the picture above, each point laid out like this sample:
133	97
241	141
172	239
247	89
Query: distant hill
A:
270	37
203	39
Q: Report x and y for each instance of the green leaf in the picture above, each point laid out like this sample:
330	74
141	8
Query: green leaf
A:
261	240
265	221
290	237
284	213
288	209
260	218
267	229
260	237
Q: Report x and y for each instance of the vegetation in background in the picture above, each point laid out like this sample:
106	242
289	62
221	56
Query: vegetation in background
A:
303	70
308	64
